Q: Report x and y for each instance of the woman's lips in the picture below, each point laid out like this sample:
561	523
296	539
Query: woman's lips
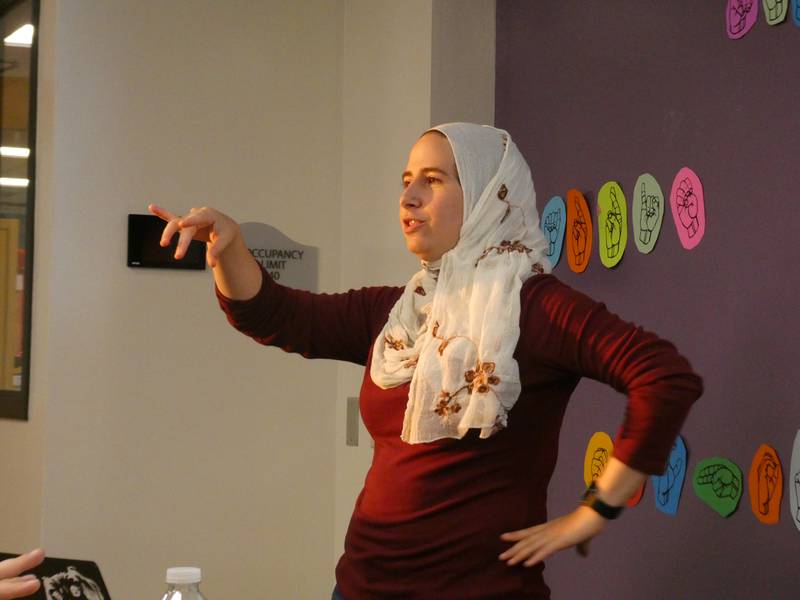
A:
412	225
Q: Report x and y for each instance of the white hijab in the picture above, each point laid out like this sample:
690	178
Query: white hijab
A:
454	330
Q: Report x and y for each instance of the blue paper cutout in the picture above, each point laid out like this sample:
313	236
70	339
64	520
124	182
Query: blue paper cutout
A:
554	223
667	488
795	10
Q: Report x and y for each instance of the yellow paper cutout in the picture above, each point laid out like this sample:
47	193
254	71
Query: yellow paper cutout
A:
597	454
612	223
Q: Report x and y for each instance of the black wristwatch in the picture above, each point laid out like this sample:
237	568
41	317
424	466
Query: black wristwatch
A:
591	500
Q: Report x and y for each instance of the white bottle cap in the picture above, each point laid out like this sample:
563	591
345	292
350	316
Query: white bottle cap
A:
184	575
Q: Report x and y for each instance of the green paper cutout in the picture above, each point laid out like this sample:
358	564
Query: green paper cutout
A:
647	207
612	223
775	11
718	482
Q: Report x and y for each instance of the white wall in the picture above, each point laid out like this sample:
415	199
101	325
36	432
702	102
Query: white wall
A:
158	435
169	438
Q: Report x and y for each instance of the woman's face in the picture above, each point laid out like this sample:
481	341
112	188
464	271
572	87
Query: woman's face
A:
432	202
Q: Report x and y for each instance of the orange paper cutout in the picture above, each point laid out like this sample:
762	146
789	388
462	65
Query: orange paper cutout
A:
637	497
766	485
579	232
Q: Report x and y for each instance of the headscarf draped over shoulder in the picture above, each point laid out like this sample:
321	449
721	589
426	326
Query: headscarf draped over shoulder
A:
454	330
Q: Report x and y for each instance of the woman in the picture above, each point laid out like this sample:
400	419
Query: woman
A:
470	368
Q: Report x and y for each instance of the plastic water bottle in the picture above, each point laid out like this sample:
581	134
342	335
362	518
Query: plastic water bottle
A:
183	583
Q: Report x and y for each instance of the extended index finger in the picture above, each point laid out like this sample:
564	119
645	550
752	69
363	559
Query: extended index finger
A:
14	566
162	213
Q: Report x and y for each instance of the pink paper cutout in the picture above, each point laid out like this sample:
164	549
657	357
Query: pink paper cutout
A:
688	207
740	16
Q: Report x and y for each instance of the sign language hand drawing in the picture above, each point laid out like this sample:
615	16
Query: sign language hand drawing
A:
740	16
579	226
797	497
599	461
613	226
767	482
775	11
668	486
766	485
71	584
648	215
648	212
688	207
668	481
718	483
554	219
598	451
579	235
551	224
722	480
612	217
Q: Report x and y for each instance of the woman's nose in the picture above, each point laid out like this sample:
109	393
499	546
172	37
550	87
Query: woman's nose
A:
410	197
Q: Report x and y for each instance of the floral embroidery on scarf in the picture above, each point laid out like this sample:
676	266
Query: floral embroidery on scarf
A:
477	380
537	268
420	290
444	407
393	343
505	247
480	378
501	195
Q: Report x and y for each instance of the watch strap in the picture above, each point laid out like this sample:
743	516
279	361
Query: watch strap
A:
591	500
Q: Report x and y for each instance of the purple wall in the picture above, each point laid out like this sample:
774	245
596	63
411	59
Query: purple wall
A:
594	91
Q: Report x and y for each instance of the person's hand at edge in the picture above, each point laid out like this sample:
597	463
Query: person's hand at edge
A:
12	585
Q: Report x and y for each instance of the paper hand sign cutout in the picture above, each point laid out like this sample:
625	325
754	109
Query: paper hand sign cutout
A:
688	207
766	485
612	223
598	451
554	223
740	16
647	205
71	584
667	487
718	483
775	11
794	482
579	231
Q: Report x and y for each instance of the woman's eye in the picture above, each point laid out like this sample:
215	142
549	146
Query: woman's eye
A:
405	183
431	179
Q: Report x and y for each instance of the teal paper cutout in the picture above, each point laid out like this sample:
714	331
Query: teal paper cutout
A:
667	488
718	483
796	12
554	223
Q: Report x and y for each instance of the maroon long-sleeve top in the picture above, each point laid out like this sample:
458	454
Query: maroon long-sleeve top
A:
427	522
